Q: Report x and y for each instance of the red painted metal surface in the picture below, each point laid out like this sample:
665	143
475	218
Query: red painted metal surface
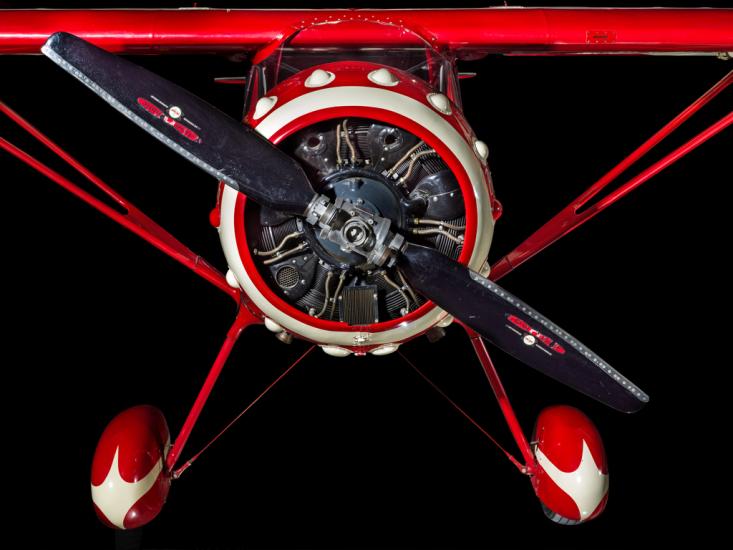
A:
503	399
127	215
470	32
580	210
244	319
561	433
129	482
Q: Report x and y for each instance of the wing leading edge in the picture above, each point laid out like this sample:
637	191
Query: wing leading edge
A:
470	33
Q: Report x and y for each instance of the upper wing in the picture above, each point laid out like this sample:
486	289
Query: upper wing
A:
470	33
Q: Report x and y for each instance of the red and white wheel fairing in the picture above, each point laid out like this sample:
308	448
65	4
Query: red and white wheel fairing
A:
130	482
405	104
571	478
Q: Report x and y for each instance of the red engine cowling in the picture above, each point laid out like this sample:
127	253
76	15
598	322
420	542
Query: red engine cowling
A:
130	481
571	480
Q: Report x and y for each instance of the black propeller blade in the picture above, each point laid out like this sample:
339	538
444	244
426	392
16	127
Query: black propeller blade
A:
216	143
516	328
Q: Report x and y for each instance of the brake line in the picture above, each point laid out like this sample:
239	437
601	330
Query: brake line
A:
177	473
522	468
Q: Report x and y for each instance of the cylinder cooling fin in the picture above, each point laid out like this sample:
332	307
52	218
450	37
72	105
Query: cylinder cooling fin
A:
382	169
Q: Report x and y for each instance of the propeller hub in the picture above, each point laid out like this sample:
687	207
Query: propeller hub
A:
366	199
355	230
356	233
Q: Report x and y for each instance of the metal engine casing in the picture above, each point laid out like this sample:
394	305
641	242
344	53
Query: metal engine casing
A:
410	105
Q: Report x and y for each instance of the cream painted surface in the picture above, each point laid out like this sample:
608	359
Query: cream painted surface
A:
383	77
336	351
115	496
447	321
361	96
587	485
386	349
319	78
272	326
440	102
264	105
232	279
482	150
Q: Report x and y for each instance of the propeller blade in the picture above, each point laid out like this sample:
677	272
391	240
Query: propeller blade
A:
516	328
225	148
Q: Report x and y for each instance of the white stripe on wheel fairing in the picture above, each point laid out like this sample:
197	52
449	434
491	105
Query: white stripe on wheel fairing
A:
586	485
361	96
115	496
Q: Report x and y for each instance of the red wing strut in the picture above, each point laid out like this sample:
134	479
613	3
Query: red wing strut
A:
583	208
130	217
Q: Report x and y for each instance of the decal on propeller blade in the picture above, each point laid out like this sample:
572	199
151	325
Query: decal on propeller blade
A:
175	113
534	336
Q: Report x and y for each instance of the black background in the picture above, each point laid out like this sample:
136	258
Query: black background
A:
360	452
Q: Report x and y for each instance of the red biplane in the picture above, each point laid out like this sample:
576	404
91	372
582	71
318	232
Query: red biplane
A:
355	205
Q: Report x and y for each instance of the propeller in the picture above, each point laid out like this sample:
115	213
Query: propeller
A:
225	148
241	158
516	328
